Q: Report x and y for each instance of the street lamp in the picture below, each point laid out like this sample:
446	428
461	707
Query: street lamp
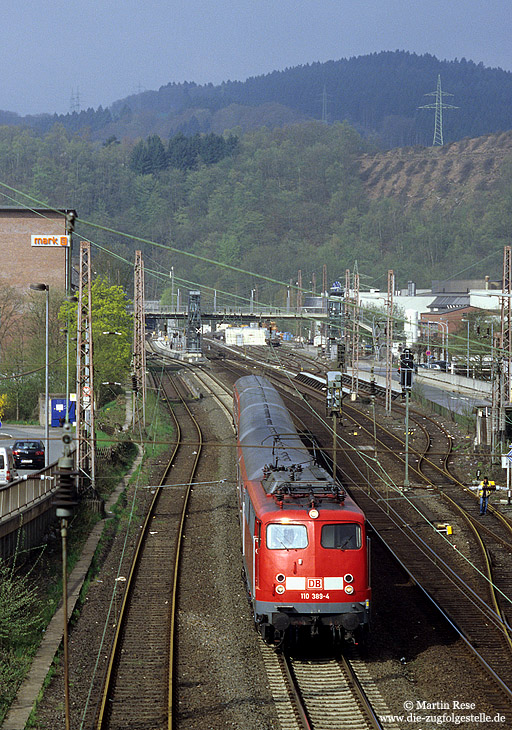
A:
45	288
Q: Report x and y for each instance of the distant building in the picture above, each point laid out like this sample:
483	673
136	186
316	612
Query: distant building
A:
463	286
33	247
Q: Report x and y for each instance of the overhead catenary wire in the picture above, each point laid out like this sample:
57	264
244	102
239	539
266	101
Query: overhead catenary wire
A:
175	250
396	317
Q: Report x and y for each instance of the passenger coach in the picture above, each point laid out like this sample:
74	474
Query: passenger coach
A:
304	541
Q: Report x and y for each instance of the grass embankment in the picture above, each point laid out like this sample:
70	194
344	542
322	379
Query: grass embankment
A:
31	589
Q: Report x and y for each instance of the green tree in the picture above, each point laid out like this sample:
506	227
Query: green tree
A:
112	332
156	153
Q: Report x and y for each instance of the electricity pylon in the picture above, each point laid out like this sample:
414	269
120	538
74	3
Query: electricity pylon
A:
439	105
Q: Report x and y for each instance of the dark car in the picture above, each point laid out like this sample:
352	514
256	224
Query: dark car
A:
443	365
28	454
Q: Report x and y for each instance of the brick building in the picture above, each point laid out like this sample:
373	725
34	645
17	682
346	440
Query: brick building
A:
33	247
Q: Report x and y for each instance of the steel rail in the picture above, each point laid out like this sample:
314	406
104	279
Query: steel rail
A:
170	706
108	678
100	721
500	623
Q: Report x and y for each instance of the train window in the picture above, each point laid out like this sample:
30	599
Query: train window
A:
286	537
345	536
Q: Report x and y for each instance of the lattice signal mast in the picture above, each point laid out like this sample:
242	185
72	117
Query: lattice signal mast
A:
438	105
139	351
506	338
86	450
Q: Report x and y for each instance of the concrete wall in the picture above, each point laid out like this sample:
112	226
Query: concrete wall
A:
457	383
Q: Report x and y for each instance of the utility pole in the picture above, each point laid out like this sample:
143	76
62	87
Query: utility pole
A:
347	315
70	227
406	371
84	379
355	337
299	302
389	338
334	409
438	105
324	327
139	326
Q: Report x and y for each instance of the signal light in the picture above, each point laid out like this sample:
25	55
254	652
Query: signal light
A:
65	497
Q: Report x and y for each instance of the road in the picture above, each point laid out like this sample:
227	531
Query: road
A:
454	402
9	433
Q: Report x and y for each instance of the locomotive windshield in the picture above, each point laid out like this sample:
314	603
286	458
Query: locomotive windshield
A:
345	536
286	537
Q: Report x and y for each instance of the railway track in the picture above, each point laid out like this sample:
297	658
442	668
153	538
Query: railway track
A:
323	693
318	695
435	564
463	592
140	668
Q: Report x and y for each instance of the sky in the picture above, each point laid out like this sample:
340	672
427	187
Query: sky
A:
55	53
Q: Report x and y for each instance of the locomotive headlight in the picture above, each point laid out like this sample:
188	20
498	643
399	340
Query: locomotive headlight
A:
313	513
280	589
348	578
348	589
280	578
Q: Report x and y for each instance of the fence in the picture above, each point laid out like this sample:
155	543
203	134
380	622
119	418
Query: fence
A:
26	491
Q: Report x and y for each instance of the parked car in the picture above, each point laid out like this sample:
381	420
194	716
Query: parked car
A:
28	454
433	366
7	467
443	365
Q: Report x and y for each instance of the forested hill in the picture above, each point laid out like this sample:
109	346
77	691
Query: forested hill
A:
272	202
379	94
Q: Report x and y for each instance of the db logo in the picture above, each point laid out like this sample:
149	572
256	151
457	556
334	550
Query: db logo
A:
315	583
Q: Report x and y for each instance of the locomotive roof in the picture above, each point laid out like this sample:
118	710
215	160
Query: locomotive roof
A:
266	431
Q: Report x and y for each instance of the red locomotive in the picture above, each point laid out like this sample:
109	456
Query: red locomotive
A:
304	541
